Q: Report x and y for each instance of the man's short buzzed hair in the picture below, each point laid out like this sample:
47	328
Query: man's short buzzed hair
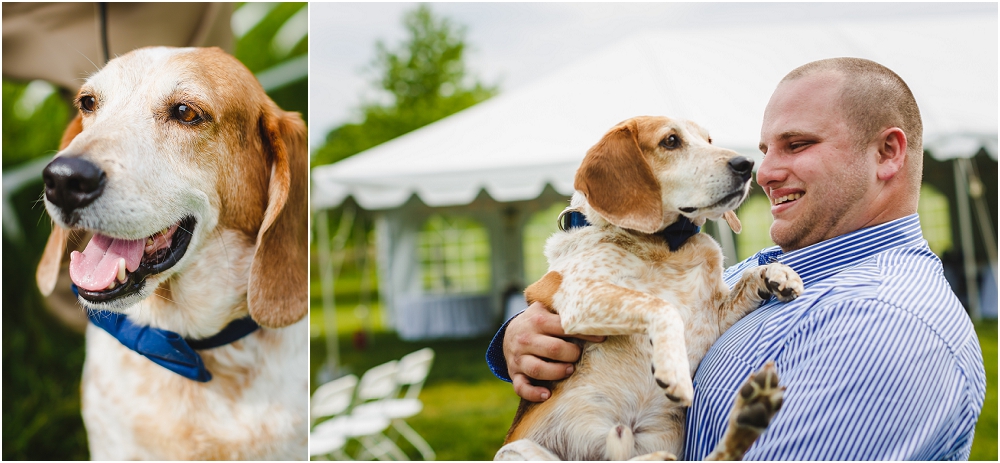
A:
873	99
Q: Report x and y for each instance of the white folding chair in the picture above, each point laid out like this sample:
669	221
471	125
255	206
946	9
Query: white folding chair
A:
330	437
333	398
412	373
326	444
377	385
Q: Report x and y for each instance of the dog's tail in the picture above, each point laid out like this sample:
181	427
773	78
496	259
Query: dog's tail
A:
621	443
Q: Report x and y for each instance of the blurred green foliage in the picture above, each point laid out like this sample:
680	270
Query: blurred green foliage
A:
255	50
26	138
42	359
427	79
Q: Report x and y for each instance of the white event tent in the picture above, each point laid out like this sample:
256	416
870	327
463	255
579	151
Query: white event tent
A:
516	153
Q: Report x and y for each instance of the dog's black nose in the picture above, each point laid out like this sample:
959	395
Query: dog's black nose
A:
742	166
72	182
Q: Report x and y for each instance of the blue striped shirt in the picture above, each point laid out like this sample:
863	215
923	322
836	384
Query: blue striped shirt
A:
878	356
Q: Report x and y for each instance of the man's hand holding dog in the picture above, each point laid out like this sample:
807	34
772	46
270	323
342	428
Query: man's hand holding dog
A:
535	348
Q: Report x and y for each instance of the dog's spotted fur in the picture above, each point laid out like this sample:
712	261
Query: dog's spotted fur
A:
661	309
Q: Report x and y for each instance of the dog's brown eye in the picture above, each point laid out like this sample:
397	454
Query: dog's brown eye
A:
671	142
186	114
88	103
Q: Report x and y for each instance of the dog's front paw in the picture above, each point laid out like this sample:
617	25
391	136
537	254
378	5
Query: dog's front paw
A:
782	282
759	398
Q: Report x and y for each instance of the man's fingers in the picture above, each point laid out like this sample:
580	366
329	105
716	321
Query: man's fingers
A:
586	337
551	348
547	322
537	368
527	391
550	324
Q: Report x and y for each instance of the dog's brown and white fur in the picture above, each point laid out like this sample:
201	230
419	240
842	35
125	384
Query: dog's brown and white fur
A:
662	309
241	172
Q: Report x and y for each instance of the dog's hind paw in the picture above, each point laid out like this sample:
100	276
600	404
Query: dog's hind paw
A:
759	398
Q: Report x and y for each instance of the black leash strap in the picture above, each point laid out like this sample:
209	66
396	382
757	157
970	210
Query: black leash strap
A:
102	23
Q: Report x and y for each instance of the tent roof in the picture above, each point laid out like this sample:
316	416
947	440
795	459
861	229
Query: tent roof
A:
514	144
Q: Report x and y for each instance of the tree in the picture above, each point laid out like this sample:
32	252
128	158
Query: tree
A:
427	79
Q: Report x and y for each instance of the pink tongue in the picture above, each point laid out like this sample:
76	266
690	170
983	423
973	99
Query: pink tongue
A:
97	266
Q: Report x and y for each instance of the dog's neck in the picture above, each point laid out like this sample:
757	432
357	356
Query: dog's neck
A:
205	296
579	203
674	235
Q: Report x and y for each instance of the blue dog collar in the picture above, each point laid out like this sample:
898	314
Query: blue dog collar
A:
167	348
675	235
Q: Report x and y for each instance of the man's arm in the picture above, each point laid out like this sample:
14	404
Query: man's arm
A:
867	381
532	346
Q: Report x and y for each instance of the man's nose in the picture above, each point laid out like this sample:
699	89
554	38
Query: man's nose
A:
768	171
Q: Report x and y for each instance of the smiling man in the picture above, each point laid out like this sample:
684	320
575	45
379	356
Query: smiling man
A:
878	356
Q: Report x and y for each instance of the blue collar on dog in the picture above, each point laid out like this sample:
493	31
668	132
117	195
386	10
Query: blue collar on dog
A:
675	235
166	348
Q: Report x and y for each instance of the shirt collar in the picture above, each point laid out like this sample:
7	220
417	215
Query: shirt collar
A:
822	259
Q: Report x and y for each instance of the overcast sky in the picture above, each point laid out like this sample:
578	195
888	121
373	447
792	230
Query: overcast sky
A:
513	44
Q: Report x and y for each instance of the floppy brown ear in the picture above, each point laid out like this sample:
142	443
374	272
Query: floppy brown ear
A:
733	221
48	267
277	294
619	183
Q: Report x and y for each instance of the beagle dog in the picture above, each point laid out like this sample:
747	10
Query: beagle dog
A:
192	183
639	272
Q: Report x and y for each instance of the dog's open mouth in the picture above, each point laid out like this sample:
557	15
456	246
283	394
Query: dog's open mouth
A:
728	202
110	268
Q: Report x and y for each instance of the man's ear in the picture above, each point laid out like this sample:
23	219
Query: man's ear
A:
277	294
891	153
48	267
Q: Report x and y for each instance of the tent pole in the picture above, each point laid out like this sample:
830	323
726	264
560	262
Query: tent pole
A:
361	259
968	246
329	307
329	267
982	216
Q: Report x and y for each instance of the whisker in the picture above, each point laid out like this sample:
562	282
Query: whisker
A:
225	250
91	62
40	200
164	298
39	221
76	239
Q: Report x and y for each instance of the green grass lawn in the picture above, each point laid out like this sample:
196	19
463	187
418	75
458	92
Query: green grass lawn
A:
984	447
467	410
